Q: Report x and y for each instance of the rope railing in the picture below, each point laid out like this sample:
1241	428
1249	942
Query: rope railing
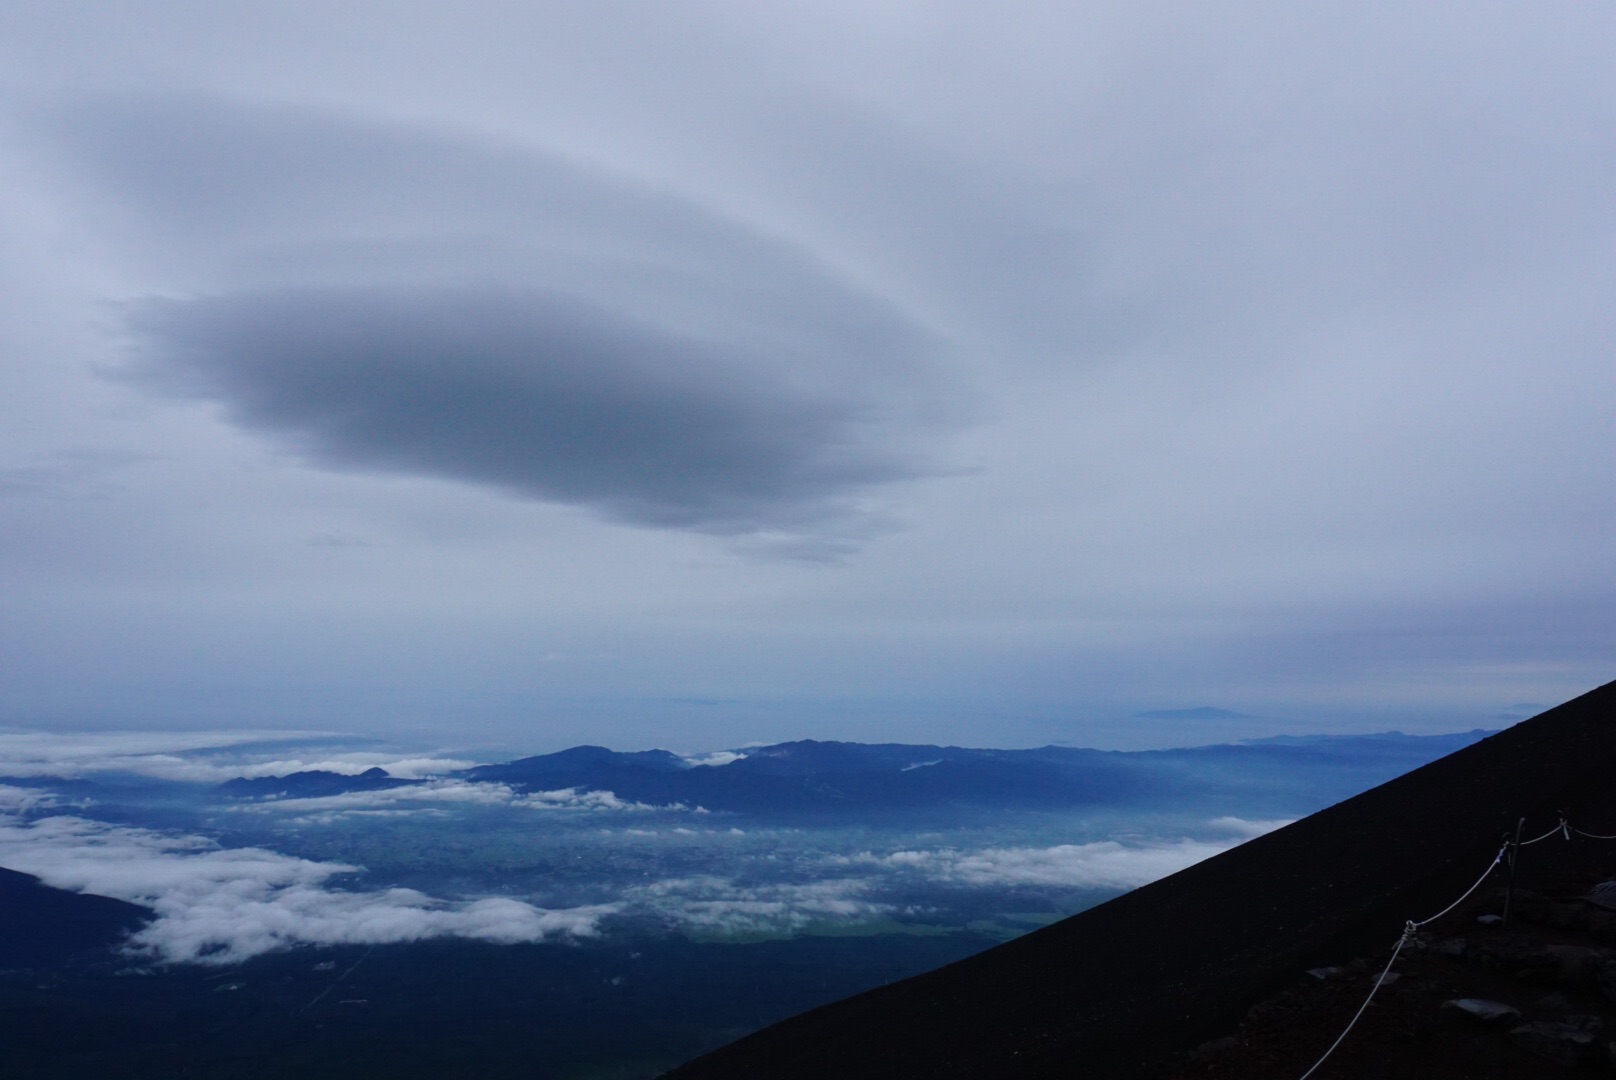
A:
1564	828
1560	828
1412	926
1383	973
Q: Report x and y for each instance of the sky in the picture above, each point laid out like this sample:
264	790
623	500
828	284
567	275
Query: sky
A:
699	374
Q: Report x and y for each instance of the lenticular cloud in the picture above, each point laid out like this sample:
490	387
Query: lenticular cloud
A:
222	905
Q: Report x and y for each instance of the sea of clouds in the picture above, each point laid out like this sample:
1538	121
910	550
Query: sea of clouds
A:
435	795
202	757
713	904
217	905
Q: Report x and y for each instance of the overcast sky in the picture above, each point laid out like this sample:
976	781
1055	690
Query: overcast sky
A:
688	374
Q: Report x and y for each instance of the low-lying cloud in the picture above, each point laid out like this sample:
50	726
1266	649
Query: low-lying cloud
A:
586	799
218	905
15	799
402	768
161	755
1105	864
1249	827
206	757
463	792
717	905
714	758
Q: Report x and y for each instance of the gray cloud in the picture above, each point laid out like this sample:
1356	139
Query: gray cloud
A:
537	394
409	301
204	189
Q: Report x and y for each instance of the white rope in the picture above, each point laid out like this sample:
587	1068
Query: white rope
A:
1484	875
1560	828
1407	933
1564	828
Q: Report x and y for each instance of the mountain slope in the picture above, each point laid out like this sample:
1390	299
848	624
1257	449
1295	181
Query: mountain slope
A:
41	926
1118	989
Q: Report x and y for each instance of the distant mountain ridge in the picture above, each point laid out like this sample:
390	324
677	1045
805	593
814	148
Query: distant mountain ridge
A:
312	784
814	779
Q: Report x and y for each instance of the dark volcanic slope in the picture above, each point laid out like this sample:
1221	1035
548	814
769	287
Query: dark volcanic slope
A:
1118	989
41	926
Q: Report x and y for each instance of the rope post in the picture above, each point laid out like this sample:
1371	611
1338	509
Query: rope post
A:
1514	854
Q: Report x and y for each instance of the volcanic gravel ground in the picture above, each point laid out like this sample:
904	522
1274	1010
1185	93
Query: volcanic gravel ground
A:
1554	962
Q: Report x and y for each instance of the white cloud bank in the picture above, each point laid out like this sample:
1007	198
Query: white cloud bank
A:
1106	864
1248	828
16	799
205	757
463	792
223	905
720	905
714	758
407	768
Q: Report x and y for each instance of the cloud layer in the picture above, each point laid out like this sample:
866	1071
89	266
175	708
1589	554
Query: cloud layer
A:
1103	865
449	792
1106	864
223	905
711	904
207	757
17	799
868	886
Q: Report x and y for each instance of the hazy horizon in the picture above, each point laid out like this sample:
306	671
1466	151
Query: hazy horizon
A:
1128	733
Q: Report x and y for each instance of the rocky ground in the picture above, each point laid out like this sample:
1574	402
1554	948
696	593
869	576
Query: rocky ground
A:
1476	997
